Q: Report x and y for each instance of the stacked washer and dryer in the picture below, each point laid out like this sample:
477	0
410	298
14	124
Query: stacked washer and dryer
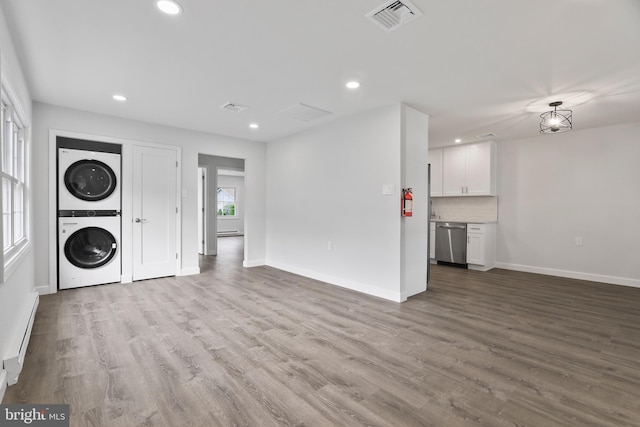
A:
89	207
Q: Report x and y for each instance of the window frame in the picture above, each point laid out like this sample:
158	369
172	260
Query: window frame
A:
19	136
235	201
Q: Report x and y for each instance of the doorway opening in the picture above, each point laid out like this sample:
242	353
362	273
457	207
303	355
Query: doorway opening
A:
221	213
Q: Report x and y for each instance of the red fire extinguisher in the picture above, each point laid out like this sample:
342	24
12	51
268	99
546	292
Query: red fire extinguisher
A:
407	202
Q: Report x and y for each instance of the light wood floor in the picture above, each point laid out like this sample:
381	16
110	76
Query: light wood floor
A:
260	347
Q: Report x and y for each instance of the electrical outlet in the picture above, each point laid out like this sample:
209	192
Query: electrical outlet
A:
578	241
330	245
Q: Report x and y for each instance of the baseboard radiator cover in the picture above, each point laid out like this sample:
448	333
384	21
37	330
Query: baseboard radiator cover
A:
17	350
3	383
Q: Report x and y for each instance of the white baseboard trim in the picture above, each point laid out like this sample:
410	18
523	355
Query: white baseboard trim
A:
343	283
406	295
253	263
44	290
3	383
409	293
613	280
188	271
479	267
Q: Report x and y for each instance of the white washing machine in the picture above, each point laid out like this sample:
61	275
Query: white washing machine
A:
88	248
88	180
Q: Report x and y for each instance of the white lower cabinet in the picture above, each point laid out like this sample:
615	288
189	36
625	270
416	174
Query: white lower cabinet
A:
481	246
475	247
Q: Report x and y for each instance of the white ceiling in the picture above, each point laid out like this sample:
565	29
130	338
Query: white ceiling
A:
473	66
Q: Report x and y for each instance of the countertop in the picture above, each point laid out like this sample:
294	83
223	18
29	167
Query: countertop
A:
463	221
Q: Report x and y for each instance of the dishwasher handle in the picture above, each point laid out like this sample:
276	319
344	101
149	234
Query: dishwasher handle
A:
453	227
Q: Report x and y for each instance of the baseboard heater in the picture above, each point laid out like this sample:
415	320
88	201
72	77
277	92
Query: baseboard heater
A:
228	232
17	350
3	383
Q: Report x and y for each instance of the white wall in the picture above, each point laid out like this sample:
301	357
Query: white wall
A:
237	222
414	229
16	288
324	186
48	117
554	188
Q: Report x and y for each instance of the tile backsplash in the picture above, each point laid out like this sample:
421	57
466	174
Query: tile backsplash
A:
466	209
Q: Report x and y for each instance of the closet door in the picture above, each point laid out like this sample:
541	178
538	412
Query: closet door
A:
154	212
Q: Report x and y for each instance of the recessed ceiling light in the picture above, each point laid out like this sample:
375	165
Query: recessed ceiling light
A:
169	7
120	98
353	85
254	126
457	141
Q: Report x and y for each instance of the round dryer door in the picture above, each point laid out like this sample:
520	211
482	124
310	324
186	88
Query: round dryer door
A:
90	247
90	180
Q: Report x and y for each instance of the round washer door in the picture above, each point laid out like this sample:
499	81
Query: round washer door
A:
90	180
90	247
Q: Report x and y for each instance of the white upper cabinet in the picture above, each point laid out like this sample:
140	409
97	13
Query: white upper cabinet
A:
481	177
435	159
469	170
454	176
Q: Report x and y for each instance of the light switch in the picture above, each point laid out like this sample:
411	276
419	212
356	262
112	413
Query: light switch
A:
388	189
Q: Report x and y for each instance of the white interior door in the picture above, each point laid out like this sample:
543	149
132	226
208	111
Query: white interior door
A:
154	212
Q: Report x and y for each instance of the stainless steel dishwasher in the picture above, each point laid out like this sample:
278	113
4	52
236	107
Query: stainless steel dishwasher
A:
451	243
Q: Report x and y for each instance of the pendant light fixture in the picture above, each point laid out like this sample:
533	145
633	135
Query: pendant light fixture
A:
556	121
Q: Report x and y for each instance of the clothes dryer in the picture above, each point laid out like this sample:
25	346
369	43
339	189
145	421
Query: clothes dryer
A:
88	180
88	248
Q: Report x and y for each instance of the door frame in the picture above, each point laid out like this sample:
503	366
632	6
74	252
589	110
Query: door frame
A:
210	203
202	210
126	173
210	228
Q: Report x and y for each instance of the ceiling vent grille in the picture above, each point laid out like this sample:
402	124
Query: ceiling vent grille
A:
305	112
486	136
232	106
393	14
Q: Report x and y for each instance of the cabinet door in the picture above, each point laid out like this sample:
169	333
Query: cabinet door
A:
454	171
475	248
478	170
435	159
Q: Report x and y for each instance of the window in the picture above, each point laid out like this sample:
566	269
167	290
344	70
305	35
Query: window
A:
14	186
226	202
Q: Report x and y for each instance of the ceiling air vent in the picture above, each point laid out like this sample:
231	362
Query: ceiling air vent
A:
232	106
486	135
304	112
393	14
